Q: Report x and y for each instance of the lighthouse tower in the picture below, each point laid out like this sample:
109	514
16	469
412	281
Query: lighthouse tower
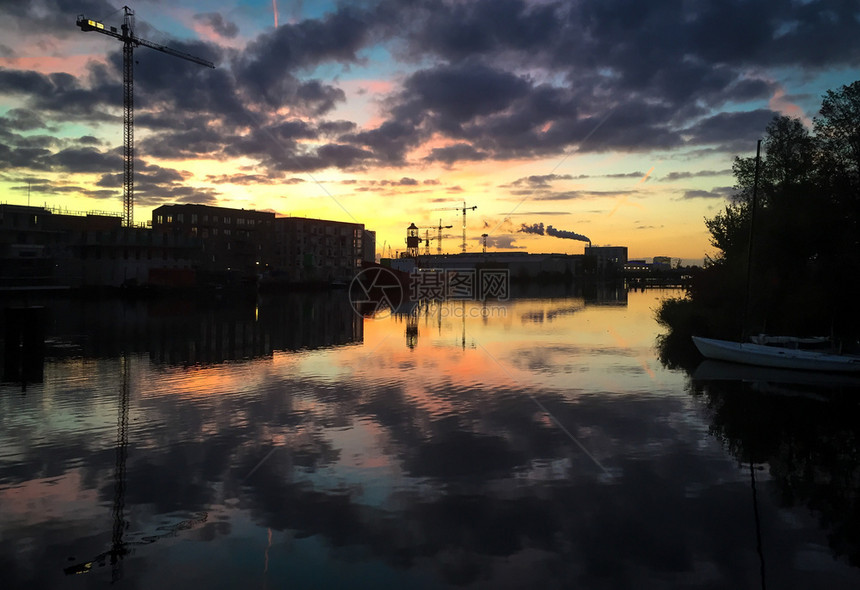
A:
413	241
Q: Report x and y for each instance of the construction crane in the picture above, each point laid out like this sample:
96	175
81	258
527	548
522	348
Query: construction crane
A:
428	238
438	238
130	41
464	208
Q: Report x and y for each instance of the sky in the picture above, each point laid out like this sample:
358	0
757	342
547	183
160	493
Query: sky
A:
613	121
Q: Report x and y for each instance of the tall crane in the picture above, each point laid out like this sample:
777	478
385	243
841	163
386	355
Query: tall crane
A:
438	237
129	42
464	208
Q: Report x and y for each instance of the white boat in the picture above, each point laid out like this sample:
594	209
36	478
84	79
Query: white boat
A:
775	356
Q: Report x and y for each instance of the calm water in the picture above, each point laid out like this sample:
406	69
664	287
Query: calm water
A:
287	443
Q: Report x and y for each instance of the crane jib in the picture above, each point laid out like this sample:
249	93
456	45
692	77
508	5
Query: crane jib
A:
129	42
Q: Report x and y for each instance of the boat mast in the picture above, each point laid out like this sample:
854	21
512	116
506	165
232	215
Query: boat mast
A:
753	206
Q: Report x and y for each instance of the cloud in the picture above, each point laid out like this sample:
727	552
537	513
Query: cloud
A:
503	242
721	192
216	22
484	80
538	181
455	153
672	176
735	129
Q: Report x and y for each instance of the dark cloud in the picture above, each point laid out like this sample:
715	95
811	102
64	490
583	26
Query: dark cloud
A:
700	173
267	69
389	142
247	179
488	79
22	120
455	153
455	94
734	128
538	181
518	212
86	160
225	29
721	192
625	175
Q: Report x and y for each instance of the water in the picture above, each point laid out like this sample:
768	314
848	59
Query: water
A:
285	442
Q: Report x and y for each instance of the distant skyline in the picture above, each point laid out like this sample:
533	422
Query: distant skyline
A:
613	120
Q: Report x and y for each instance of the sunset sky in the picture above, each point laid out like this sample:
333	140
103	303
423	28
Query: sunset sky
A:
613	119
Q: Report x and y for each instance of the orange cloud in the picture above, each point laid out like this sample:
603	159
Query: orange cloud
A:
779	103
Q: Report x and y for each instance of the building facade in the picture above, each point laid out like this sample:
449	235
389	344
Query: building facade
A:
43	248
603	259
316	250
232	241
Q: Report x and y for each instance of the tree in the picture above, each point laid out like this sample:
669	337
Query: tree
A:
806	243
838	130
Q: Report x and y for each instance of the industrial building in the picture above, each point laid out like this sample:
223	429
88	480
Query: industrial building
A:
187	244
45	248
606	259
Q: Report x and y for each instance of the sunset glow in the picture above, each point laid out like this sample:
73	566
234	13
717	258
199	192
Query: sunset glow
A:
622	128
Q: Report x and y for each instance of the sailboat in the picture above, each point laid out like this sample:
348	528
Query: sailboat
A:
764	355
776	352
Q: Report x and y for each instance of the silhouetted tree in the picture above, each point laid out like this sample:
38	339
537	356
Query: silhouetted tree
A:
806	240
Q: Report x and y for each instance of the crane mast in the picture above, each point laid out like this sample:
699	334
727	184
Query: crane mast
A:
129	41
464	208
438	238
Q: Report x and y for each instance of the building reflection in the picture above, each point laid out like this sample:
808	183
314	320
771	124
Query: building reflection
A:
215	334
183	331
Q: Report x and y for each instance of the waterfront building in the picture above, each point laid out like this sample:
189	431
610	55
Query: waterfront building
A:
317	250
662	263
236	242
606	258
46	248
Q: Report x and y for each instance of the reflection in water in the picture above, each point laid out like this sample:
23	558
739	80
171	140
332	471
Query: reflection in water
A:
482	450
803	426
118	548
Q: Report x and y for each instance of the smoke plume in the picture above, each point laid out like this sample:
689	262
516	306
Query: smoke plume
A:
538	228
569	235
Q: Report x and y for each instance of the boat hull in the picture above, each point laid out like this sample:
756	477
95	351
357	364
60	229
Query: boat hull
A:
773	356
